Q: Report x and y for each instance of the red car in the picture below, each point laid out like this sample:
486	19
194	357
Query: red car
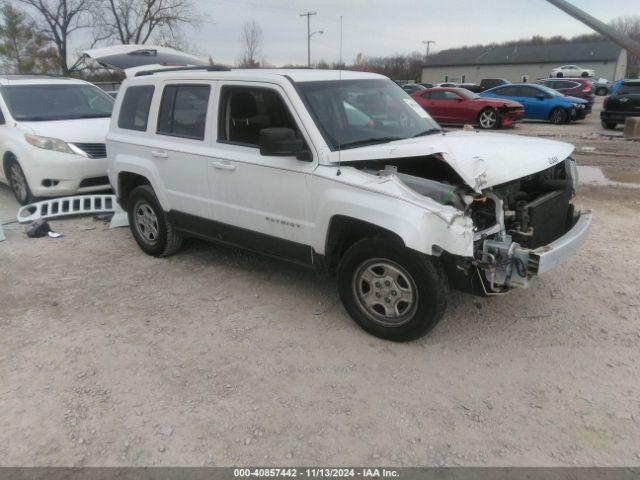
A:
460	106
572	87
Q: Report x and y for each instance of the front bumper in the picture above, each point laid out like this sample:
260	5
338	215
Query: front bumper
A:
617	116
508	265
550	256
53	174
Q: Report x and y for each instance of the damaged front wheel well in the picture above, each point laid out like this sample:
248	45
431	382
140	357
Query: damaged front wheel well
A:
346	231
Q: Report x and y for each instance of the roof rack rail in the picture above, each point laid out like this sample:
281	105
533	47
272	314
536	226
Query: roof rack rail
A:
208	68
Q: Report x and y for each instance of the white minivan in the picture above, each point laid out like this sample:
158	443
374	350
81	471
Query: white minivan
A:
52	133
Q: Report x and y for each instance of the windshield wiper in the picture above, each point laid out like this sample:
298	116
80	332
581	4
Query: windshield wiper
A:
430	131
369	141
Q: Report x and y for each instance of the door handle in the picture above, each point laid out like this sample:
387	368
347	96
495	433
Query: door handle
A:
159	154
223	166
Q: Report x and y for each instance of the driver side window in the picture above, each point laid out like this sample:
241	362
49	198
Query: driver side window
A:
244	111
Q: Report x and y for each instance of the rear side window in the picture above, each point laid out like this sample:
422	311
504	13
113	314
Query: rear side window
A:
507	91
183	111
134	111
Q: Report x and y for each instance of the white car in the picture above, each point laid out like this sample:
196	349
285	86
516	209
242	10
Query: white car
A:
52	133
571	71
279	162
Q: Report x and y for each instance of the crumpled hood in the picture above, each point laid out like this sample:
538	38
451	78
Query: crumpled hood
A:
84	130
481	159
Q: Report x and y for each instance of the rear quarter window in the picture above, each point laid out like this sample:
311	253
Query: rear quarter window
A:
183	111
134	111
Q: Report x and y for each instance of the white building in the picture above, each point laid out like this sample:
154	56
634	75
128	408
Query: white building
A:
518	63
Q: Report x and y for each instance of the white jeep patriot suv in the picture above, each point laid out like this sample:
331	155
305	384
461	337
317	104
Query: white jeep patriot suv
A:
343	172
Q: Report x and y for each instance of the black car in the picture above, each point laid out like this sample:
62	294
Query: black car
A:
412	87
625	102
487	83
472	87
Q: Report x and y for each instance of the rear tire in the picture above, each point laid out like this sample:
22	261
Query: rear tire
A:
601	91
488	119
609	125
150	225
390	291
558	116
18	182
559	75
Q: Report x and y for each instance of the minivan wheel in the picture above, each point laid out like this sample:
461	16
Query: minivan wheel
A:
18	182
150	225
558	116
488	119
390	291
609	125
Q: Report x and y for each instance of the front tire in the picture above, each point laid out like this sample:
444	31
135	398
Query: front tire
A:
488	119
585	74
558	116
18	182
609	125
150	225
390	291
601	91
559	75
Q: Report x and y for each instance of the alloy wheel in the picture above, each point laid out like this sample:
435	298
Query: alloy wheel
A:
488	119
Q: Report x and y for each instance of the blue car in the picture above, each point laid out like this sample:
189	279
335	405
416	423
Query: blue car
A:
542	103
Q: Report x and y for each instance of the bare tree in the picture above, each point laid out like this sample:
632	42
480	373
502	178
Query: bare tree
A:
139	21
251	40
630	26
59	19
22	48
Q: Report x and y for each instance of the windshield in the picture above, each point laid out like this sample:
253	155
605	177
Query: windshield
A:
43	102
354	113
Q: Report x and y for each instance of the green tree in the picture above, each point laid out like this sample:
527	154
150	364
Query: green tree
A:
22	48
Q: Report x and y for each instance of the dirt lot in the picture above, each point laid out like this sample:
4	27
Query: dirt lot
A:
214	357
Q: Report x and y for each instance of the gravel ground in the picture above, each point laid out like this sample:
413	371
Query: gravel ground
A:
215	357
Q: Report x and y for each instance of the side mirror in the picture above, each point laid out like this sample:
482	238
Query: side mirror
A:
540	96
282	142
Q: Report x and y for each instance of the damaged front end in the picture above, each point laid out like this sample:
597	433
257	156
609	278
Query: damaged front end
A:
525	228
522	228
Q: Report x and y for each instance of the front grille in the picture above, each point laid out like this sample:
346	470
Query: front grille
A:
94	150
94	182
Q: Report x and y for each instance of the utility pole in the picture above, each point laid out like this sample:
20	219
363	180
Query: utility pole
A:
309	34
427	43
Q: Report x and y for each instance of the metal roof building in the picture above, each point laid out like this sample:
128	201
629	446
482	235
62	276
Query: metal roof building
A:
518	63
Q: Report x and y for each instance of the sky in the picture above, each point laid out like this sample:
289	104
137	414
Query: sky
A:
382	27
